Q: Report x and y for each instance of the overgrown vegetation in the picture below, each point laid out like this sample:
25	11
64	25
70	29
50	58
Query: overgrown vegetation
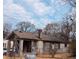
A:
72	48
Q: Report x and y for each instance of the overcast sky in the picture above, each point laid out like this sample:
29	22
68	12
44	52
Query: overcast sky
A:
38	12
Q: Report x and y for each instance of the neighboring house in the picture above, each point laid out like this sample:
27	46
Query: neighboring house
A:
5	42
27	41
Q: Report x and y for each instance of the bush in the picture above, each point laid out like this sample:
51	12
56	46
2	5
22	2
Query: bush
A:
72	48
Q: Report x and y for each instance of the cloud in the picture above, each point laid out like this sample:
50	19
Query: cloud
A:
38	7
61	2
38	15
41	9
73	13
45	21
16	12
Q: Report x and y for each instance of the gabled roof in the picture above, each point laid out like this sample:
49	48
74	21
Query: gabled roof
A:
33	36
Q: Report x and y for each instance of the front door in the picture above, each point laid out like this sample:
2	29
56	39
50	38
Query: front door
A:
27	46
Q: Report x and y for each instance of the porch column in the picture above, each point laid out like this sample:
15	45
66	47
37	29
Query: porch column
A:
50	47
61	45
53	46
58	45
32	44
33	47
8	46
21	47
50	50
40	46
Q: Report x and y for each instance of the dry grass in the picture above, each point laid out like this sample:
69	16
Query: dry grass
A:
57	56
5	57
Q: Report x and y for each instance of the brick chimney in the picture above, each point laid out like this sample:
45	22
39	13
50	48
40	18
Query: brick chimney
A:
39	33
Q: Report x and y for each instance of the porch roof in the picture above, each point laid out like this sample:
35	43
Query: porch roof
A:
33	36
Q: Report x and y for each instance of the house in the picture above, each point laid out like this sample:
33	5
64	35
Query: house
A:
5	43
28	41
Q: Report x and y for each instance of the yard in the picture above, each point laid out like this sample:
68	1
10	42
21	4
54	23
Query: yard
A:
57	56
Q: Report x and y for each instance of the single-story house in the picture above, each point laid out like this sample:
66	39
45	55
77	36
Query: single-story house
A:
28	41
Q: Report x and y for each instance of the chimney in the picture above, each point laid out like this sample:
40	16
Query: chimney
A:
20	31
39	32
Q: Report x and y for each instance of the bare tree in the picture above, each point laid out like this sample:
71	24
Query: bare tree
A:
72	3
69	30
25	27
52	28
69	25
7	28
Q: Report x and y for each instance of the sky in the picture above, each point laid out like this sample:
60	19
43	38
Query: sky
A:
38	12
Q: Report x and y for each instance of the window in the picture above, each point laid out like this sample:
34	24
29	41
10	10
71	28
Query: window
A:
4	45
